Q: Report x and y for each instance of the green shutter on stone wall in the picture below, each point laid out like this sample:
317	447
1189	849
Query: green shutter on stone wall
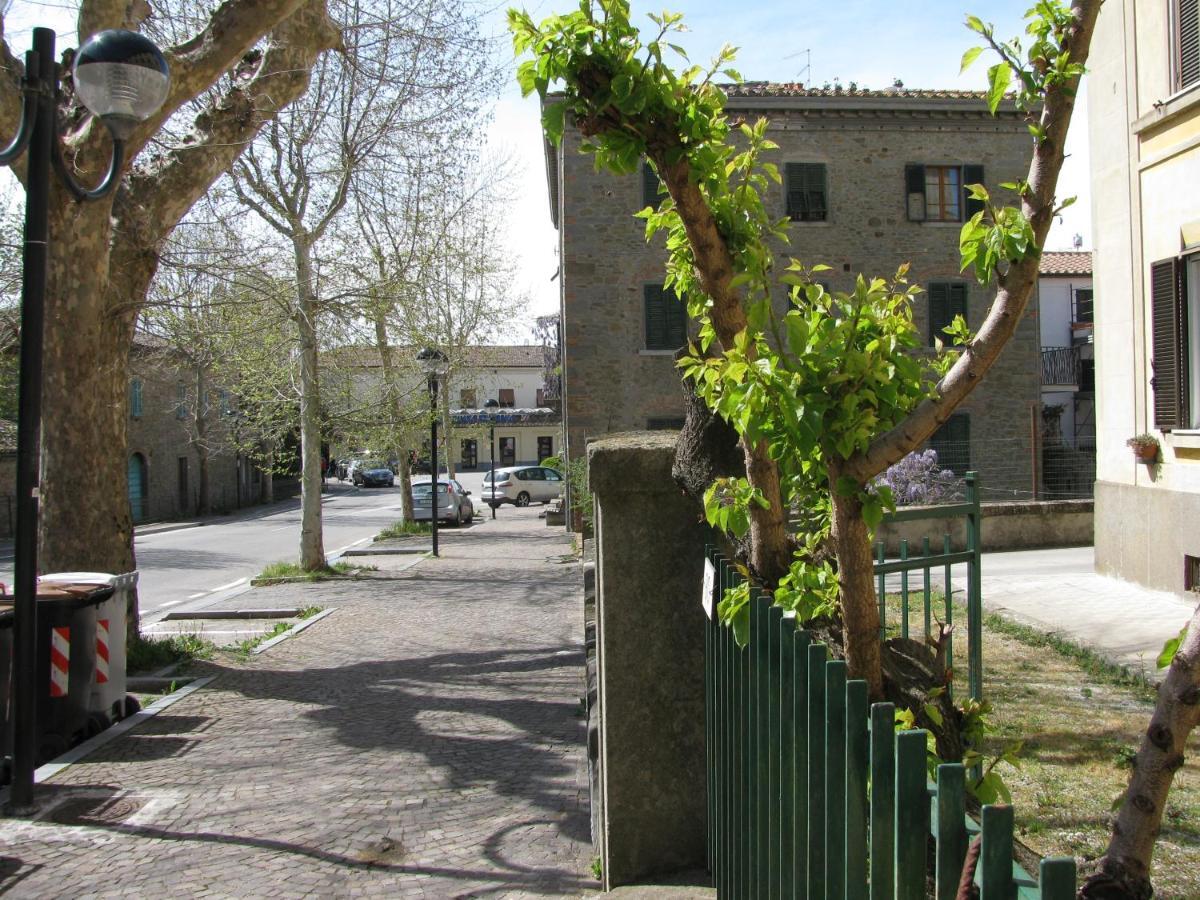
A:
666	319
914	183
806	192
652	188
972	175
947	299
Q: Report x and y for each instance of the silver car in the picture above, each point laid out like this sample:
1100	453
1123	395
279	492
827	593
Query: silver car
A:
453	502
521	485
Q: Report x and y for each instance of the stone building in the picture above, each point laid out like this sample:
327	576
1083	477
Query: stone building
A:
872	179
1144	122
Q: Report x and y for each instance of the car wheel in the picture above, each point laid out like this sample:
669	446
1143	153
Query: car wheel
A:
522	499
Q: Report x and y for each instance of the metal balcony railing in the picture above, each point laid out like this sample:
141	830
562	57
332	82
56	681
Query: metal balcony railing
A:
1060	365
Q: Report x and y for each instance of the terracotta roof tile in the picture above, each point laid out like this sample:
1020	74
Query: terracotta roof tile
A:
795	89
1065	262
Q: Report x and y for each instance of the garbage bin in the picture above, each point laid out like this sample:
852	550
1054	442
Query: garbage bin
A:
66	662
108	701
6	665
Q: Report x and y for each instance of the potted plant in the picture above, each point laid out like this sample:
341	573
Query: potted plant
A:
1145	447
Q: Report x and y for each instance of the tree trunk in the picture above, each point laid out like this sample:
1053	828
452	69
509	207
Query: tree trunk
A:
204	506
312	544
447	430
1124	870
856	589
396	411
266	485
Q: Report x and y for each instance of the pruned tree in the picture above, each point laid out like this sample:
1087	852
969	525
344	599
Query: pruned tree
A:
244	61
403	69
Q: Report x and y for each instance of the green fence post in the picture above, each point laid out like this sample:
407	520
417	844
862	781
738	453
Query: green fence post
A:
882	579
951	828
974	592
816	771
803	643
724	758
927	592
995	857
912	815
710	736
948	590
774	743
746	768
857	760
787	755
761	647
835	778
904	592
1057	881
883	799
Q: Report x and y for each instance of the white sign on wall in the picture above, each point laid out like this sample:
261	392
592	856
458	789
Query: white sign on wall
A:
710	587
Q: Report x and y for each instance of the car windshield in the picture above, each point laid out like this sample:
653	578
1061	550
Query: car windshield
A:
375	464
420	490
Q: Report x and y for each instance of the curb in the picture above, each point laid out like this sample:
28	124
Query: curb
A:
293	631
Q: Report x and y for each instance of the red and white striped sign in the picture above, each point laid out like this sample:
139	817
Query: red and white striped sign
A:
102	651
60	661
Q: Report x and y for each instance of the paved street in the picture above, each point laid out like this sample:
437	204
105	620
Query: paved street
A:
424	740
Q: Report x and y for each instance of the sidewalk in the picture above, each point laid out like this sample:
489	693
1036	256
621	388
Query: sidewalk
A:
424	740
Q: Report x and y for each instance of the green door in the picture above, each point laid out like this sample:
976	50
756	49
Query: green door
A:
137	487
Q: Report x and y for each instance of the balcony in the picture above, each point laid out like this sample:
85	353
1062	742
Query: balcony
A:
1060	366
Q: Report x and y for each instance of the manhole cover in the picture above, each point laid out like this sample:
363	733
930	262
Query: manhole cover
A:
95	810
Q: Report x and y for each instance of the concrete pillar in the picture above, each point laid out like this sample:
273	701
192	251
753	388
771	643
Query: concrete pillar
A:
650	648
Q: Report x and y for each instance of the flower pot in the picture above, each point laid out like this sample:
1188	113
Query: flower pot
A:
1147	453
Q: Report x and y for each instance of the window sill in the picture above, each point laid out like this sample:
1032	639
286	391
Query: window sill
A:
657	352
939	223
1188	438
1167	110
803	224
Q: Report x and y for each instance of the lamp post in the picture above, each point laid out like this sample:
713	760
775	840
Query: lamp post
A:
122	78
434	364
492	406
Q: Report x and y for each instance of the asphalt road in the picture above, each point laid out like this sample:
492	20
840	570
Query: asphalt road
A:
192	567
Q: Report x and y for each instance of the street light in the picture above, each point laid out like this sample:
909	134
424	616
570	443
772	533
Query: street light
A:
122	78
492	406
434	364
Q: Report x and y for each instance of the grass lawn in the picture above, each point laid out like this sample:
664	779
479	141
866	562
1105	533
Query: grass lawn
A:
1081	721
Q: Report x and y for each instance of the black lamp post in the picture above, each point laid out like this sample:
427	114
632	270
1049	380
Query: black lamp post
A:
121	77
434	364
492	406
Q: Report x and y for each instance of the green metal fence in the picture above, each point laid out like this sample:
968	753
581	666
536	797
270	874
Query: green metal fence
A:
926	564
813	794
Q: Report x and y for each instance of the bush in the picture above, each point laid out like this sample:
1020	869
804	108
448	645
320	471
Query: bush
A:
575	471
918	480
150	654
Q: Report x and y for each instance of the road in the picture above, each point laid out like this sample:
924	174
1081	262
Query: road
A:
192	567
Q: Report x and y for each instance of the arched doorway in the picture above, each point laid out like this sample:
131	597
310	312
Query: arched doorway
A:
137	487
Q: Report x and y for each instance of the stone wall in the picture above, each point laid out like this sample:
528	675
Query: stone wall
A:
613	383
1004	526
647	723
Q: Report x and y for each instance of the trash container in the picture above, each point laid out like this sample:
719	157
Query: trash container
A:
108	702
66	662
6	664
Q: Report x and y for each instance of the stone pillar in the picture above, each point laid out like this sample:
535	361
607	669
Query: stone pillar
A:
650	641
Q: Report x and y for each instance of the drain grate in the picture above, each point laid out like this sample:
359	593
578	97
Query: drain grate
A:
95	810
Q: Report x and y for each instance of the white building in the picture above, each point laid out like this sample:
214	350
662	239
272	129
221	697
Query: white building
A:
1065	327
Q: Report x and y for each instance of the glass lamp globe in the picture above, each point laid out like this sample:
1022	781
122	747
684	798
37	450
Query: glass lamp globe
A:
122	77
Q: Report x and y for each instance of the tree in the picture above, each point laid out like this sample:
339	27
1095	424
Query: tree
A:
402	70
629	104
247	60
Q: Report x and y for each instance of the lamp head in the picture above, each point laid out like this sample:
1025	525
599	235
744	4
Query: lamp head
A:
433	362
121	77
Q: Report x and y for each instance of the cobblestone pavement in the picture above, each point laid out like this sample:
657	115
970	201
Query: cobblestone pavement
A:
424	740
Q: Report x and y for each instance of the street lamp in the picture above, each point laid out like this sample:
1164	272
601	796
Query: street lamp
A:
434	364
122	78
492	406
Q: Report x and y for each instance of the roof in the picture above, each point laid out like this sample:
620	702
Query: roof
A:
796	89
1066	262
491	356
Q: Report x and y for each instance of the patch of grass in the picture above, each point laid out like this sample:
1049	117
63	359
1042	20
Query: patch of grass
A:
150	654
597	869
286	571
403	529
243	648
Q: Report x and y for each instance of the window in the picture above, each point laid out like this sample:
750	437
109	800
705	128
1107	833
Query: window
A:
551	475
225	402
653	190
938	193
1175	316
181	400
545	447
806	195
466	398
1082	312
507	398
664	423
135	398
470	453
666	319
952	443
947	299
540	401
1187	43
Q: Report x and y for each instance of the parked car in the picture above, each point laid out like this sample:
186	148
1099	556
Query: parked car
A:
374	472
521	485
453	502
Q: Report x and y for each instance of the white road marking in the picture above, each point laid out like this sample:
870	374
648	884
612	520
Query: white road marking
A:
226	587
177	602
194	596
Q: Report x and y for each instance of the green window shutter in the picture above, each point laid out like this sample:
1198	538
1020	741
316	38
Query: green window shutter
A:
958	301
1188	48
666	319
939	310
972	175
135	398
952	443
652	188
914	192
1166	313
806	193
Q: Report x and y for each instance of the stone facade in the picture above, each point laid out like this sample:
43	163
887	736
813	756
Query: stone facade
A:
1143	119
865	140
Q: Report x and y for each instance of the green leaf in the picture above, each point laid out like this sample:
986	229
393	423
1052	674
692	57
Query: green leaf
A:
740	623
969	57
1170	648
552	121
999	78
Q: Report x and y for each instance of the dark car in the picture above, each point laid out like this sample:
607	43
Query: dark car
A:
374	473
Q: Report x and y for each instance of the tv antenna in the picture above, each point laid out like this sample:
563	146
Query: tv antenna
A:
805	74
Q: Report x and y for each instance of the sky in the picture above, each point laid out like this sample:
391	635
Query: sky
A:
870	42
